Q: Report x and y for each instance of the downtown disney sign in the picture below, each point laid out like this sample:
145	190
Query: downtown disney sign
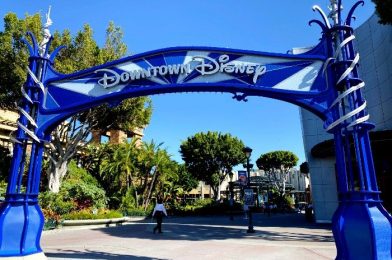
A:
323	79
204	65
189	69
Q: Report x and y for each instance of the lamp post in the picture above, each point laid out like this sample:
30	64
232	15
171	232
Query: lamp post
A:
231	190
248	151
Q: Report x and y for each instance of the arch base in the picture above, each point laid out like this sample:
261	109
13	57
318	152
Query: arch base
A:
362	227
21	222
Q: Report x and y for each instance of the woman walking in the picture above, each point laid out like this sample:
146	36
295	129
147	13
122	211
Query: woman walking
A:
158	212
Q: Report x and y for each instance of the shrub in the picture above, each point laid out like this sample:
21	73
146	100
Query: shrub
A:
137	212
88	214
3	189
85	195
128	202
78	191
56	203
289	201
80	174
204	207
52	219
83	188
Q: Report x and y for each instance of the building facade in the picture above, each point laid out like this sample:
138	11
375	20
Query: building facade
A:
296	182
116	136
374	44
7	127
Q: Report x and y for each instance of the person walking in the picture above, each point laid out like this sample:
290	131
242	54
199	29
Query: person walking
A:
158	213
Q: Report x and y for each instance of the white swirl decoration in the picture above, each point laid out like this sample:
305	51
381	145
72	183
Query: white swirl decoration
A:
345	76
323	15
25	113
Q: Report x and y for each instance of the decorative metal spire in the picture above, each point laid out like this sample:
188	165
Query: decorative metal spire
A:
46	34
334	11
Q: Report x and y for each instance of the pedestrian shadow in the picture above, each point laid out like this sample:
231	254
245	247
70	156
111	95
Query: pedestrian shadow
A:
91	254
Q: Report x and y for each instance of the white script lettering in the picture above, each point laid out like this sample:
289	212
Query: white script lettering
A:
205	66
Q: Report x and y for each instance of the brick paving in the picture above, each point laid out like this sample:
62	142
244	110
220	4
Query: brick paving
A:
280	236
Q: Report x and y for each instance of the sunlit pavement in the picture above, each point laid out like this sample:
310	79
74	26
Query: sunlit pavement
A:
280	236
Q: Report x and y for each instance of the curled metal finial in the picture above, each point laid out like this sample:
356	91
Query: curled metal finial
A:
55	53
321	12
351	12
33	48
319	23
240	97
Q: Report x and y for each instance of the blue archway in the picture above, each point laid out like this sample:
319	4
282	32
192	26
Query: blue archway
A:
323	80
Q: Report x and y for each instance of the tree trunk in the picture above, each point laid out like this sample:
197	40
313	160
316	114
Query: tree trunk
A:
284	178
137	198
145	189
150	190
218	196
215	190
56	176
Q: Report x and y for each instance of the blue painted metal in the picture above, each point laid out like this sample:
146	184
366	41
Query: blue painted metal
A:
323	80
361	225
21	219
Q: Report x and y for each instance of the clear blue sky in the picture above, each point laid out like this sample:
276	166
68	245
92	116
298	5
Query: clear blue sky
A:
273	26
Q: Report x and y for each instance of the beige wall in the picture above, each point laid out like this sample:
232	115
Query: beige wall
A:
7	127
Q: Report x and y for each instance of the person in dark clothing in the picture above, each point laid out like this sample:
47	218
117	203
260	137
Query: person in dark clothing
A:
158	213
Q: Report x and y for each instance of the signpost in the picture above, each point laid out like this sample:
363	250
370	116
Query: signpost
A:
249	198
242	178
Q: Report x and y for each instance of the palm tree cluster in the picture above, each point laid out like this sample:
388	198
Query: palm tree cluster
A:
132	173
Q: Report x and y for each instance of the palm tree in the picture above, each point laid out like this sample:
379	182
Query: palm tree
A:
121	167
153	159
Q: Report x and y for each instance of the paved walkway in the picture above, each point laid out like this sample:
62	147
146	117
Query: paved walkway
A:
281	236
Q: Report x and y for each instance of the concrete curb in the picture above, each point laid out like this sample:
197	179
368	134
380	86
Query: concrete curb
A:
101	221
37	256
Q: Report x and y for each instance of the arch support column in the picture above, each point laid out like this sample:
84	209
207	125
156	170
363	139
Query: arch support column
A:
21	218
362	228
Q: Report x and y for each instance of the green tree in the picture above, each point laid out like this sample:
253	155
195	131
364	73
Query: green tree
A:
119	168
177	182
145	169
81	52
167	181
186	180
277	165
384	10
304	168
14	56
128	115
151	163
211	156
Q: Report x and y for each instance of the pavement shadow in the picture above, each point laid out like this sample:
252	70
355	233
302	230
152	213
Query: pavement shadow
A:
89	254
259	219
212	228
